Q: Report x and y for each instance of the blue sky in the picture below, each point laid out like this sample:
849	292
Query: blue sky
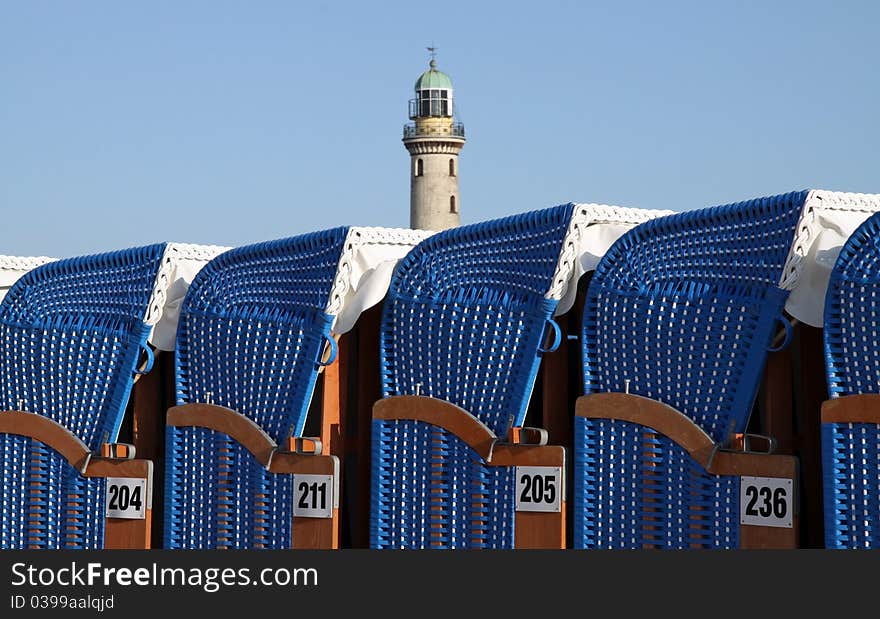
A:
234	122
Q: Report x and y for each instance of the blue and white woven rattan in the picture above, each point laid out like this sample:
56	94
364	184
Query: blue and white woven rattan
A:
13	267
71	333
252	331
851	451
681	310
464	322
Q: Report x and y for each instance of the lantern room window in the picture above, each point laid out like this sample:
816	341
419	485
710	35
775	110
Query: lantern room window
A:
434	102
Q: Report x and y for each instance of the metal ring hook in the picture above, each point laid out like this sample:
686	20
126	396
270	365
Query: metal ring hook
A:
333	351
557	337
151	358
788	331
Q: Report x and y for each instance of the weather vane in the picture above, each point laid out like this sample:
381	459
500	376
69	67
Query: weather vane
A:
433	51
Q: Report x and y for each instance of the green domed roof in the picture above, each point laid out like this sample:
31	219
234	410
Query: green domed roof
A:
432	78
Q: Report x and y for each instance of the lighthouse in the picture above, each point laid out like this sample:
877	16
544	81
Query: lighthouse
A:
433	139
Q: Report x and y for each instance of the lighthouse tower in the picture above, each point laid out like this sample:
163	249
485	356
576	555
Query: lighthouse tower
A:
434	141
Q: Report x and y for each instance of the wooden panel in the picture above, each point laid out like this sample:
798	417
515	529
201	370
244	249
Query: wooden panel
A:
316	533
313	533
528	455
555	407
439	413
119	533
303	464
562	373
122	533
227	421
761	465
334	395
333	400
47	432
778	413
752	464
535	529
862	408
752	537
540	530
364	389
152	396
812	385
651	414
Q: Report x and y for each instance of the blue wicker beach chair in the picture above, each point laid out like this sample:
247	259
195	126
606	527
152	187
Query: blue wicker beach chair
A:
678	320
851	419
71	334
467	317
255	328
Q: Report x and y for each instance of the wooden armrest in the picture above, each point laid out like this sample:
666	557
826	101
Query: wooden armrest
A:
651	414
472	431
532	529
303	458
861	408
680	429
115	461
229	422
442	414
710	455
48	432
247	433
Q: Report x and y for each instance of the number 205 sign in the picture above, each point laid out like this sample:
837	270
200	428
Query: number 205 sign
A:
539	489
766	501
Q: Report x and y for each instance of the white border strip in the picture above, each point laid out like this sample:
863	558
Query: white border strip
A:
174	253
586	215
808	227
355	240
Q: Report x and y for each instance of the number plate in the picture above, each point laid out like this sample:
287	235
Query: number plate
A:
313	496
539	489
766	501
126	498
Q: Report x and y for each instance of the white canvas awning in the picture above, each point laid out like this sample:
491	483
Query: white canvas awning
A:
365	269
180	265
827	221
593	230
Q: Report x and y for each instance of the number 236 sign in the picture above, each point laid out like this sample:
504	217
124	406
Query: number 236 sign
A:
766	501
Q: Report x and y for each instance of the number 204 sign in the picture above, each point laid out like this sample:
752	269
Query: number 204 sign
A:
126	497
766	501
